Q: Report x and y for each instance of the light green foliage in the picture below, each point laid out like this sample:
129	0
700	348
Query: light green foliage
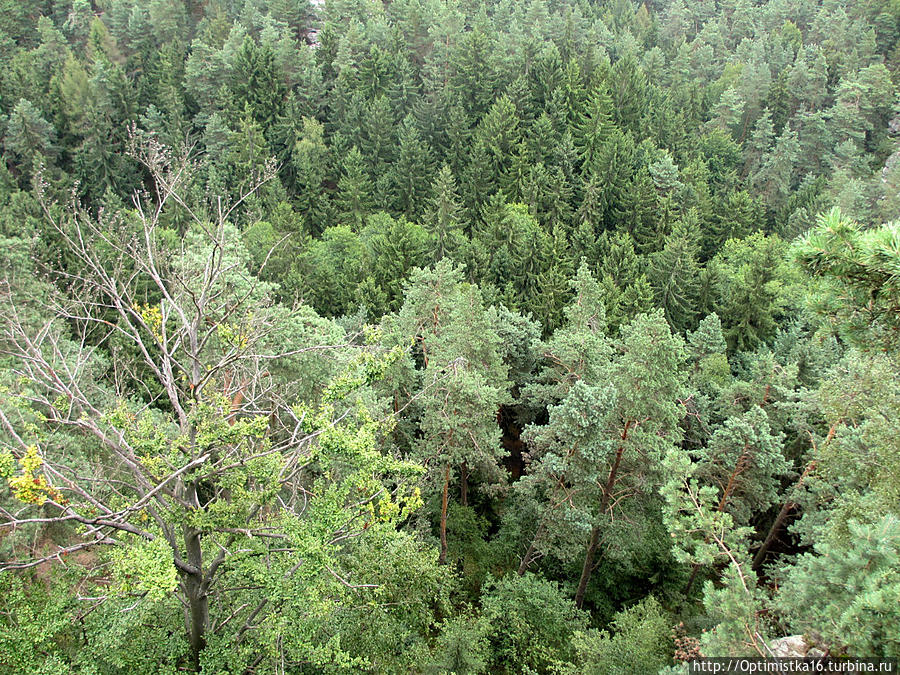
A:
310	162
394	248
145	569
847	592
737	609
463	371
701	533
605	437
859	270
638	641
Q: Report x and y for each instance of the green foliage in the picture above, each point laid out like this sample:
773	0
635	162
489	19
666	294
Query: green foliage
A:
35	630
754	286
846	592
859	271
639	641
530	624
145	569
416	294
462	646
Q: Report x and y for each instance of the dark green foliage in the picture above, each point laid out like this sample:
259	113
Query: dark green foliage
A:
530	624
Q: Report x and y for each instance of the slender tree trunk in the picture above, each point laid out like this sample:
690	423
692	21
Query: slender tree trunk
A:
198	602
690	584
464	484
528	558
785	511
588	565
442	560
739	467
760	556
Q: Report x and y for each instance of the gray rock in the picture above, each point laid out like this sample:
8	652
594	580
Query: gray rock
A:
792	645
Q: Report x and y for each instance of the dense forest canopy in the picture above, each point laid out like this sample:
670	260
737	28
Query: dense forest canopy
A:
447	336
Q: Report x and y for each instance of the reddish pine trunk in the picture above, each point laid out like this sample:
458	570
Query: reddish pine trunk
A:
739	466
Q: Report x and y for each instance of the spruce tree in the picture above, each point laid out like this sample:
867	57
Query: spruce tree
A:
354	200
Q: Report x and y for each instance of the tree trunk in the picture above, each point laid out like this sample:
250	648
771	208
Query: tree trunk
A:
786	508
739	467
690	584
785	511
528	558
442	560
198	601
588	565
760	556
464	484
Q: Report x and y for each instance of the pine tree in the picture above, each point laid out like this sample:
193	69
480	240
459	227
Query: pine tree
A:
590	445
464	374
857	265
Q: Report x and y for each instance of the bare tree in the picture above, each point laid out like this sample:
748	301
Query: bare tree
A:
185	325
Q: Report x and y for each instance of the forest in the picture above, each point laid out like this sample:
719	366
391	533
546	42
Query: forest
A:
448	336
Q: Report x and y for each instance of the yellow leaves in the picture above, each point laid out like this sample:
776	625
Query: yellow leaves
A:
7	464
31	486
399	508
233	335
151	315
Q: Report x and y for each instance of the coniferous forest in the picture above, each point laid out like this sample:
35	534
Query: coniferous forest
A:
447	336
